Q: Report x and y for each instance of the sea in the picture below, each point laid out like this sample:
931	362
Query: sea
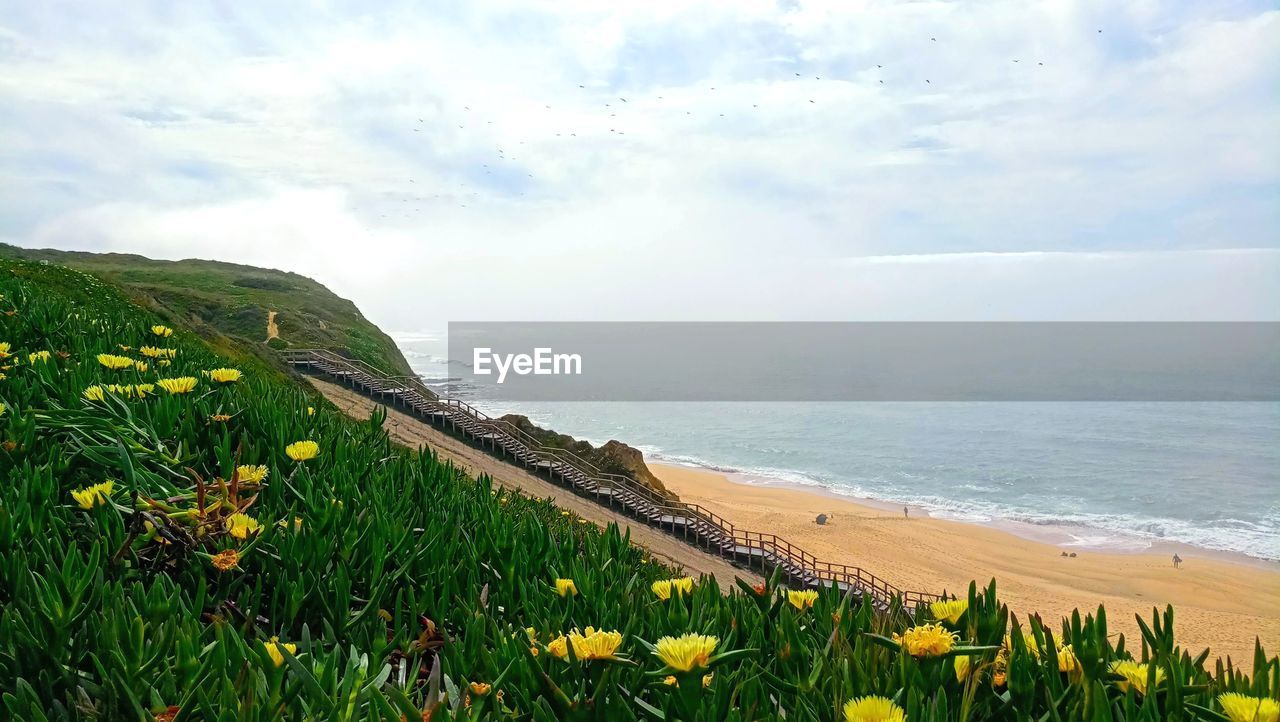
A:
1119	476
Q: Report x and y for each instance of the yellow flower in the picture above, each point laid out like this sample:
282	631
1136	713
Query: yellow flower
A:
1067	661
180	385
1243	708
480	689
963	667
949	610
225	376
95	495
162	331
302	450
144	390
311	411
671	681
873	709
41	356
140	366
284	524
273	649
94	393
252	474
664	587
595	643
558	647
164	362
148	351
566	588
686	652
927	640
115	363
242	526
803	599
706	679
225	561
1135	676
4	349
220	418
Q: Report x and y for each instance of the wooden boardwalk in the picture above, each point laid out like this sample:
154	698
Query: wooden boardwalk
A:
691	523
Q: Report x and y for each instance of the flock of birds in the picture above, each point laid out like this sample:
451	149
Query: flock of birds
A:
502	160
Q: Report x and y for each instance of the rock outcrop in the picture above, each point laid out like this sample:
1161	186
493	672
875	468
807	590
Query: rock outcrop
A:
613	457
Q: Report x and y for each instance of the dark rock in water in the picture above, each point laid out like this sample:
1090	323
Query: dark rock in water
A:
1072	555
822	519
1064	554
613	457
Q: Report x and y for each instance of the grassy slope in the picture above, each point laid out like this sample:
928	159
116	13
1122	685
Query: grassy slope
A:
232	301
227	304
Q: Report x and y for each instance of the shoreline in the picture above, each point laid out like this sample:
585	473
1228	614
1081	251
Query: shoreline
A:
1221	599
1055	534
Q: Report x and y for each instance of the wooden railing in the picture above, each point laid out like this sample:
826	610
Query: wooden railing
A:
692	523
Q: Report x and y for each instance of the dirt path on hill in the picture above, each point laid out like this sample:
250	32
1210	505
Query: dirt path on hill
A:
273	331
406	430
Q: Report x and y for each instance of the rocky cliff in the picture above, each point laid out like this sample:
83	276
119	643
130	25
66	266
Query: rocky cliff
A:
613	457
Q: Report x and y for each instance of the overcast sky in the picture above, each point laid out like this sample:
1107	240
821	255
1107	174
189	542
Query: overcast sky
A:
835	159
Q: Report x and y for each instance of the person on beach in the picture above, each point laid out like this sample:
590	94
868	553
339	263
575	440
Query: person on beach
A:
905	515
1177	561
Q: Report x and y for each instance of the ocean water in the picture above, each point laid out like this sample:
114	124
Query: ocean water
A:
1099	475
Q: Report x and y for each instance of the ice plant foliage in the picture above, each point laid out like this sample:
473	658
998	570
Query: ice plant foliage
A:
164	592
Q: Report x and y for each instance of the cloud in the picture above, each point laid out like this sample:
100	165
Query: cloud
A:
457	139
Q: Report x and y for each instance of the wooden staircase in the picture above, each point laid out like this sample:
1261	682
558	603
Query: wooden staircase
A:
691	523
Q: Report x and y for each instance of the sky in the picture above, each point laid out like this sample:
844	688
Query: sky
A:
823	160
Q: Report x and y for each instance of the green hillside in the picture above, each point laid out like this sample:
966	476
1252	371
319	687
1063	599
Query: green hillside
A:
182	538
233	301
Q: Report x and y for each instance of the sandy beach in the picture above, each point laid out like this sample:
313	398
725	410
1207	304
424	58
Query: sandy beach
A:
1218	602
